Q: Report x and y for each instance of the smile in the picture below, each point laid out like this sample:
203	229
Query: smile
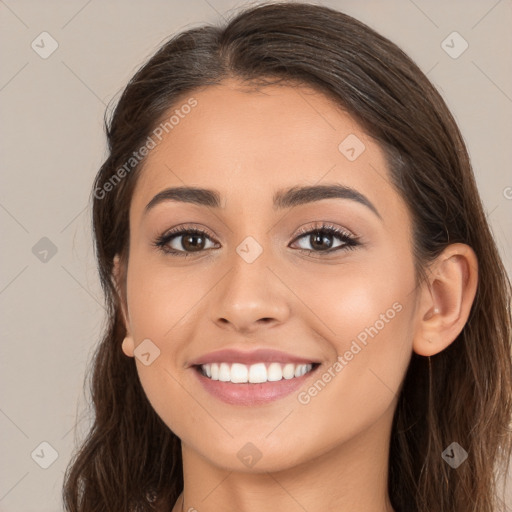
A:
253	384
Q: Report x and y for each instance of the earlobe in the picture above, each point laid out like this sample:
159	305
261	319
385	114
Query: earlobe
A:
128	346
446	299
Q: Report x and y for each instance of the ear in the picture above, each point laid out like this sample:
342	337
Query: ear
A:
118	274
445	299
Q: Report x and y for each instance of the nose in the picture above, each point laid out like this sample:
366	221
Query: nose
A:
250	297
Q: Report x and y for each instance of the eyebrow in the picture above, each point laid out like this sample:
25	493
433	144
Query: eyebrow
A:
282	199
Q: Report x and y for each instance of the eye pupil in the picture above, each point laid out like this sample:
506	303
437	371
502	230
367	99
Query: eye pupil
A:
319	238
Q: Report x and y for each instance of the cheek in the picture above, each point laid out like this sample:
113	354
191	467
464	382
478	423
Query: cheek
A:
350	298
366	315
163	303
161	298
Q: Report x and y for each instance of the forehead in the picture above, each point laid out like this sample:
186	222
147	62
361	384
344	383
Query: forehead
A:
248	142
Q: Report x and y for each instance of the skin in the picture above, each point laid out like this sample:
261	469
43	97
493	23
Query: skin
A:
331	453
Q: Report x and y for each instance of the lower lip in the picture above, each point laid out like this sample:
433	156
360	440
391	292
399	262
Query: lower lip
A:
251	394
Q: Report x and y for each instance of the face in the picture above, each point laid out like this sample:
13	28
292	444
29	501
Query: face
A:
324	278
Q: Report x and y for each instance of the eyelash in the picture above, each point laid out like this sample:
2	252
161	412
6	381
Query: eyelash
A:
350	242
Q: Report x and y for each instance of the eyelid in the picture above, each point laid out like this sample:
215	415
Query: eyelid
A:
187	227
324	225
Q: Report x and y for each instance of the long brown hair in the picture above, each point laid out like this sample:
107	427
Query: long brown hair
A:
130	459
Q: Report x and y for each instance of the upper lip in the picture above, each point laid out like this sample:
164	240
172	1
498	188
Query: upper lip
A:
262	355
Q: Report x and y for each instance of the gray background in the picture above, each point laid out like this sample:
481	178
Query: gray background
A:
52	144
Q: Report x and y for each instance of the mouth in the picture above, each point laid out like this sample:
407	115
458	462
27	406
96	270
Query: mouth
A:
253	384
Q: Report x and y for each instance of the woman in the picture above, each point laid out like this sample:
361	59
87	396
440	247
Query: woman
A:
307	309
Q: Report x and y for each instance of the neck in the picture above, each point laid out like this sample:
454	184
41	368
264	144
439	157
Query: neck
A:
349	478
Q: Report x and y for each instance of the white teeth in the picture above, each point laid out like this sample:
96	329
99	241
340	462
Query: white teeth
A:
257	373
300	370
238	373
289	371
274	372
224	372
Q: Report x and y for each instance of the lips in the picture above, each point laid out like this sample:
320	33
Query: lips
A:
252	378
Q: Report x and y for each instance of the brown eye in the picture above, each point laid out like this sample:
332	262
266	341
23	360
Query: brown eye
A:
322	239
193	242
183	242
